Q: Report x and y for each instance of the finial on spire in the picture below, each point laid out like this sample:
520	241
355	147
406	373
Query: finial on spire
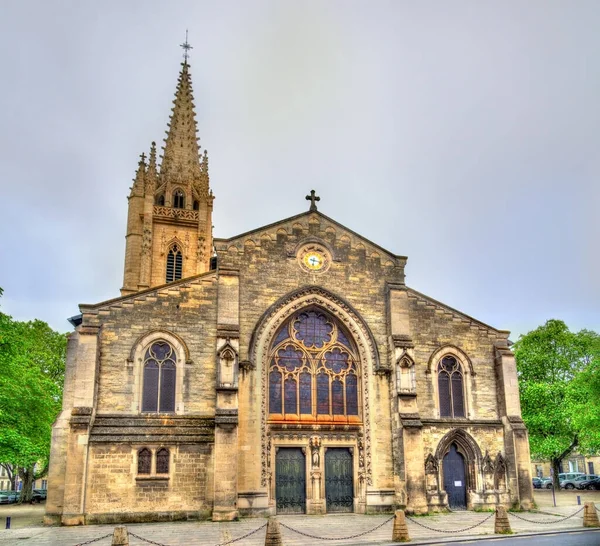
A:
313	199
142	160
186	47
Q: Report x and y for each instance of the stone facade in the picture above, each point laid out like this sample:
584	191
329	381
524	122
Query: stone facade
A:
197	433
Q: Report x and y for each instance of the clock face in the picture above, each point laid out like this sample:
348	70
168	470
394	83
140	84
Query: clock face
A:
313	260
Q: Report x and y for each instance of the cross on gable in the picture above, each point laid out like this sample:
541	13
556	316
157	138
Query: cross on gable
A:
313	199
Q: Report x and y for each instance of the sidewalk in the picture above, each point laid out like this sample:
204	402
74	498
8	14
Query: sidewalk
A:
421	529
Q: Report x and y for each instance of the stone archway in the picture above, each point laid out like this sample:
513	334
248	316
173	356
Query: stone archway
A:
358	438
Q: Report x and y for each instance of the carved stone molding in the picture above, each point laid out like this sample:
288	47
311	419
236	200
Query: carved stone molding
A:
342	311
170	212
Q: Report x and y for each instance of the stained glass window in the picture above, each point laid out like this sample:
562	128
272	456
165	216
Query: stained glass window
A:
351	395
160	371
144	461
337	391
450	386
275	392
162	461
323	394
291	402
313	370
305	393
313	329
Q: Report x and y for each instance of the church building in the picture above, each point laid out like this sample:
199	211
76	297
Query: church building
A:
285	370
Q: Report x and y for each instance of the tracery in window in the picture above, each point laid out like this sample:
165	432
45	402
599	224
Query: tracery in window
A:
450	387
174	264
313	371
162	461
144	461
158	391
178	199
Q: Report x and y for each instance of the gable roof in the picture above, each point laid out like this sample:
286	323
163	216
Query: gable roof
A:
308	214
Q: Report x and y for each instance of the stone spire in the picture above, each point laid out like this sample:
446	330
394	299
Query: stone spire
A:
140	176
151	172
181	158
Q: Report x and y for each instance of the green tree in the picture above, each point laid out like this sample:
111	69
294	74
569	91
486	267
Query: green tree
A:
32	364
560	390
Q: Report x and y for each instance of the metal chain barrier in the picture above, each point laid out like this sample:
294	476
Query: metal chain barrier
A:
545	522
94	540
336	538
221	544
413	520
243	536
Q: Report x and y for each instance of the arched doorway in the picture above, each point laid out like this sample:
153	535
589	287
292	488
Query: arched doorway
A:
455	478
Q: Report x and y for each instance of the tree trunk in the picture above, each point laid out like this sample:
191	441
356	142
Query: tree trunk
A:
27	489
555	465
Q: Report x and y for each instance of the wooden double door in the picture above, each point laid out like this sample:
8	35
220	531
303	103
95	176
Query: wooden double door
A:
290	480
455	478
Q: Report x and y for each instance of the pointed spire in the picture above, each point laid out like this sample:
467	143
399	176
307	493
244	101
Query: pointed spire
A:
181	150
151	173
140	176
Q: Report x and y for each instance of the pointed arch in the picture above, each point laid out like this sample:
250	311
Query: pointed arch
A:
268	326
453	350
464	441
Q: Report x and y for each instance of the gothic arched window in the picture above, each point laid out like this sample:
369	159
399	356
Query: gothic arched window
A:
196	205
162	461
160	368
450	387
313	371
144	461
160	200
174	264
178	199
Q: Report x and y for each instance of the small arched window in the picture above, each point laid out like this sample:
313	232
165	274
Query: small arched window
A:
178	199
196	205
162	461
160	200
450	386
144	461
158	391
174	264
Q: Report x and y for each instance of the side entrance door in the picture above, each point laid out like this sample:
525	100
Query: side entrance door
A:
454	478
290	481
339	486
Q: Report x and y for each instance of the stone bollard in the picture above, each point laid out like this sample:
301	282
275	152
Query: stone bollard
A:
120	536
273	537
400	530
502	525
590	516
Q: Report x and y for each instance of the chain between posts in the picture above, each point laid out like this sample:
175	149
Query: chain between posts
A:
221	544
93	540
336	538
413	520
545	522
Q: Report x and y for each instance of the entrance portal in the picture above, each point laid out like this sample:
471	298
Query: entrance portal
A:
339	490
454	478
290	481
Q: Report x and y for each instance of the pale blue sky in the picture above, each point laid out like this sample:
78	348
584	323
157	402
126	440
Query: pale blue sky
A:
465	135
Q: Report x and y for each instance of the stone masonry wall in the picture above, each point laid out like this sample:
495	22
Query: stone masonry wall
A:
269	270
116	493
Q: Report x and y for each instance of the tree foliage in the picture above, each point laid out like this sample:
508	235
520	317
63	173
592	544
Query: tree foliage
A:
32	364
559	381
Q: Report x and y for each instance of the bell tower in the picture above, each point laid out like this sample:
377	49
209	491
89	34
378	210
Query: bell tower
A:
169	221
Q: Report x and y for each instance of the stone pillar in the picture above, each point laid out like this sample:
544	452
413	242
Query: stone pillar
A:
501	524
400	530
590	515
515	432
226	415
120	536
408	451
273	536
70	435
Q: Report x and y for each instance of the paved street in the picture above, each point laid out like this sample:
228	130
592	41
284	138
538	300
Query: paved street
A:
423	530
